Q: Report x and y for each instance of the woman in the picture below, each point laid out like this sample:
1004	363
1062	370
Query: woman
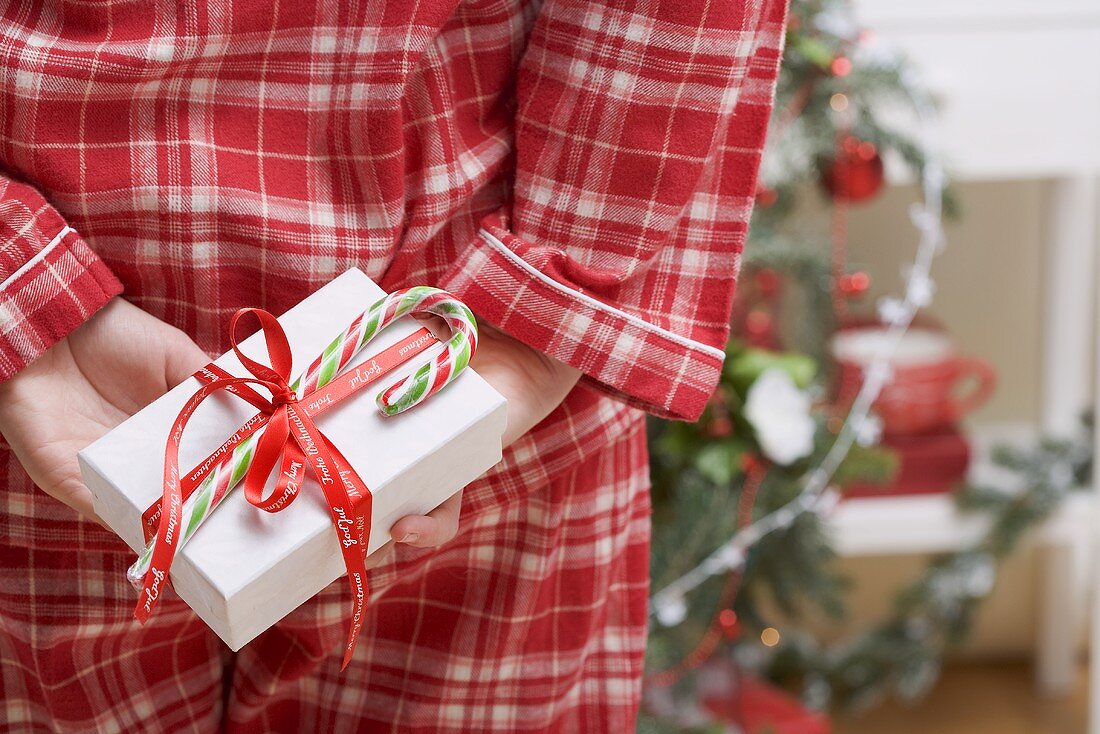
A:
580	173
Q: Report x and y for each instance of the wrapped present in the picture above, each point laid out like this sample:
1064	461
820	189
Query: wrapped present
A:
755	706
353	418
759	708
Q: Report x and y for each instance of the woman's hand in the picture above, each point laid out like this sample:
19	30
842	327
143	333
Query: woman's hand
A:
114	365
534	385
79	389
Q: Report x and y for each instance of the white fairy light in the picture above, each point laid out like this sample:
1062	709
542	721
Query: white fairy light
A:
670	612
934	173
980	577
731	556
877	373
828	501
921	217
868	431
920	291
929	223
892	311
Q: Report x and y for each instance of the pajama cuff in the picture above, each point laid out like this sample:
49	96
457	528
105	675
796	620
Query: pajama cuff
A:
619	353
56	289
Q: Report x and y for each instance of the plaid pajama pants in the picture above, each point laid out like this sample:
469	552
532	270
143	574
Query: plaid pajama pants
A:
532	619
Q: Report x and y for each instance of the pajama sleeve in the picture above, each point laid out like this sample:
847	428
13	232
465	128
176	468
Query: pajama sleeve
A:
639	126
50	280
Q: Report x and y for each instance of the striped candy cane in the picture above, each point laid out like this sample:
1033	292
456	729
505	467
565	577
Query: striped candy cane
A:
442	365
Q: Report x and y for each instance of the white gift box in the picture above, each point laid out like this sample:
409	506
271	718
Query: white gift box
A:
245	569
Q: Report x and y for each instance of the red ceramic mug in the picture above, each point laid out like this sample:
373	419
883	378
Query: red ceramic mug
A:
931	386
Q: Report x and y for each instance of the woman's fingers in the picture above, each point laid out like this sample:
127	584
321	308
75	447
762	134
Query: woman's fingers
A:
182	357
428	531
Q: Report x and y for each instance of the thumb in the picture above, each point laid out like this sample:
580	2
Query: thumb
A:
182	358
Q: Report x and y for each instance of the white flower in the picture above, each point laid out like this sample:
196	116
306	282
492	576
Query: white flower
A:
780	414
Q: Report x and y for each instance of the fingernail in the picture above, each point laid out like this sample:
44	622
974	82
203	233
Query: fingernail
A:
409	538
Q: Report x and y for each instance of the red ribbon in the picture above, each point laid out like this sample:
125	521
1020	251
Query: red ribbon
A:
292	440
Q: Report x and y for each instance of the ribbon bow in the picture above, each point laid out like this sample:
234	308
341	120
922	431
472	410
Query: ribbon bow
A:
290	436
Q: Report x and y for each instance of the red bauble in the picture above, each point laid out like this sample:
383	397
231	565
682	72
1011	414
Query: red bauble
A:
766	197
767	281
758	324
720	426
857	173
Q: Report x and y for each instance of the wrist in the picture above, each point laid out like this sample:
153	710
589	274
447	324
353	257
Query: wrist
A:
539	367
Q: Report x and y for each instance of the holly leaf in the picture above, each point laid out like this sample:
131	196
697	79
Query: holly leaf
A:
815	51
721	462
751	363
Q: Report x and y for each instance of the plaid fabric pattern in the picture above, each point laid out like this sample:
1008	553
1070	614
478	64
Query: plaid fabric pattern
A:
581	173
52	281
637	140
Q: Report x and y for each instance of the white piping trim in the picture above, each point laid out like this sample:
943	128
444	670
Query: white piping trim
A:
599	305
36	258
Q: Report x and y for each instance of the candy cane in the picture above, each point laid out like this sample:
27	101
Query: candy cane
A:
436	372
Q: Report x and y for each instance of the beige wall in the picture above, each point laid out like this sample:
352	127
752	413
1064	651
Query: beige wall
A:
989	278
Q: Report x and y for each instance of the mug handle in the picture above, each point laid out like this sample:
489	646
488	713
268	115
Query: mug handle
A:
986	378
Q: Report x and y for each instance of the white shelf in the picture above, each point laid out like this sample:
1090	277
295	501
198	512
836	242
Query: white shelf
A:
918	524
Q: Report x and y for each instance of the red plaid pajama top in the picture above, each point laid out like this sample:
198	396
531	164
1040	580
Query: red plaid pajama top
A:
580	173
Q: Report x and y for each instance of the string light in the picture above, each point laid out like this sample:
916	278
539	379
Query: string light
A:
672	611
878	373
869	431
893	311
839	102
920	290
769	636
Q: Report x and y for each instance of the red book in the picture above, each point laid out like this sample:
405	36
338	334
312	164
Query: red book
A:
754	705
